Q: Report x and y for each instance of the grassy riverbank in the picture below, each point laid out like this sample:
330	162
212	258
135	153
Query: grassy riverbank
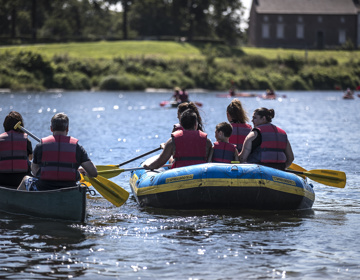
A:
136	65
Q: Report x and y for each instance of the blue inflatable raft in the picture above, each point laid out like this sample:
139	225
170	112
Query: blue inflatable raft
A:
222	186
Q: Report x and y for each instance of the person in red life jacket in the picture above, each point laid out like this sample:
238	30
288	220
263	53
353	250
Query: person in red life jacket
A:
267	144
184	96
182	108
223	151
237	117
15	152
176	95
188	147
57	159
232	89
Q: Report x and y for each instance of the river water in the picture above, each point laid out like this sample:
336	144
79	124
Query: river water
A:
133	243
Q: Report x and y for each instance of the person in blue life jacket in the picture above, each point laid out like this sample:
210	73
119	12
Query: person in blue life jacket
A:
266	144
238	119
15	152
182	108
57	159
188	146
223	151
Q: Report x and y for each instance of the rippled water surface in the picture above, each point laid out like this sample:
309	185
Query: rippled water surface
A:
133	243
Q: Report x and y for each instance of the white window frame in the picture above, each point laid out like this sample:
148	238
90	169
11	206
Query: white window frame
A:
342	36
300	31
280	34
265	31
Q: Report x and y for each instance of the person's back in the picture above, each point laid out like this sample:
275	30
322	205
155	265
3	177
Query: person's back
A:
15	152
267	144
57	158
190	147
223	151
240	131
237	117
184	96
270	153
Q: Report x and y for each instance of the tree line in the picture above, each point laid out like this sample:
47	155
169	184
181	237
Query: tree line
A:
86	20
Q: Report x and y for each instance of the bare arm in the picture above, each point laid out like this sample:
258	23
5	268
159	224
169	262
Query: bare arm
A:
163	158
289	155
34	168
210	155
209	149
30	157
90	168
246	149
236	155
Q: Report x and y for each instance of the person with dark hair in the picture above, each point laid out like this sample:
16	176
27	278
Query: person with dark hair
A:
184	96
57	159
188	146
223	151
182	108
237	117
267	144
15	152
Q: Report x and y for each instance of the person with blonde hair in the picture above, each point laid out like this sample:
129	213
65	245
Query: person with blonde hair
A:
237	117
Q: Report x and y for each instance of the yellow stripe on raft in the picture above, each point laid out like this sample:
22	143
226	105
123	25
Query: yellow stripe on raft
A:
283	185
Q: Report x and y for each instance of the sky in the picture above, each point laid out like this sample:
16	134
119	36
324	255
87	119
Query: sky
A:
247	5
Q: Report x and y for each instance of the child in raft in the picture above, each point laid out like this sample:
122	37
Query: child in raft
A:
223	151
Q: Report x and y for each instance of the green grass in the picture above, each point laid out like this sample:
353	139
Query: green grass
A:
320	55
167	50
109	50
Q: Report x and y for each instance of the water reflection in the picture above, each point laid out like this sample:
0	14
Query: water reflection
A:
40	247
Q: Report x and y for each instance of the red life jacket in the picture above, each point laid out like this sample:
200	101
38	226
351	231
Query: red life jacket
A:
13	152
223	152
184	96
58	161
190	147
273	145
240	131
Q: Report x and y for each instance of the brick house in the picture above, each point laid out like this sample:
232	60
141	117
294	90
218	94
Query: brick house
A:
313	24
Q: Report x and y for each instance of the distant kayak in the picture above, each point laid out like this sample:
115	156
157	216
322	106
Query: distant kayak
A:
348	96
174	104
271	96
239	94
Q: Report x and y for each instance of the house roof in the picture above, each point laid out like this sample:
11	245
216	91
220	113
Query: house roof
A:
319	7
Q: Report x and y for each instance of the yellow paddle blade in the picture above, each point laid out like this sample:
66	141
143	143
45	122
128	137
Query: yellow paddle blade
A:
332	178
110	173
84	181
296	167
109	190
106	167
